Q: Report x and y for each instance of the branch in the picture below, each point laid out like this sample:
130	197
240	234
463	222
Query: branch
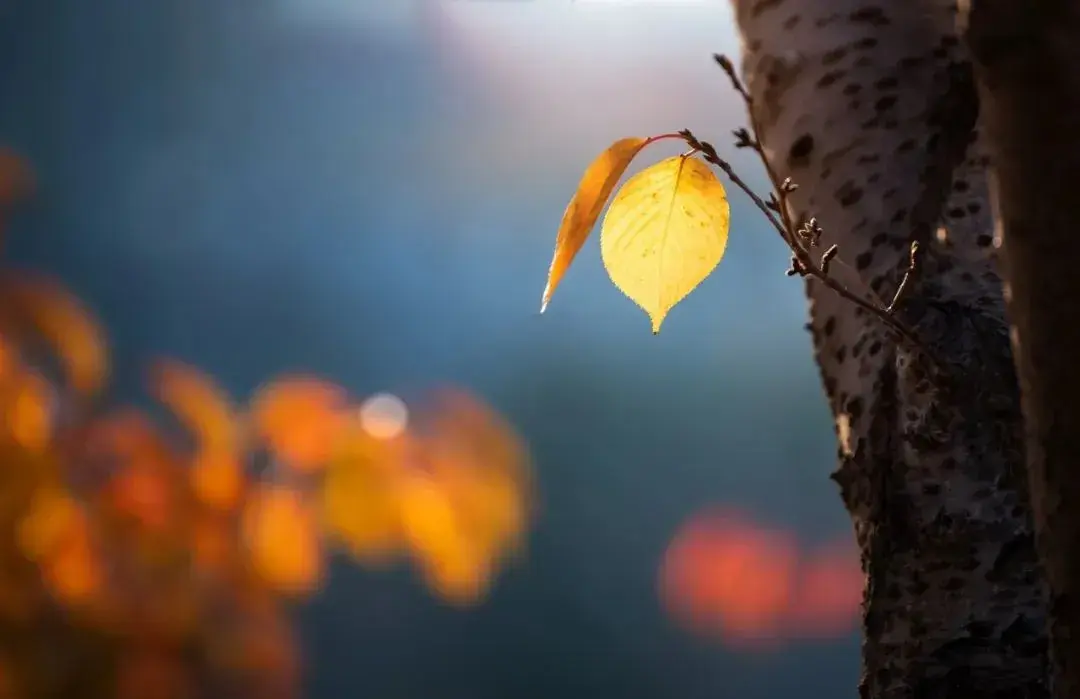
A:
802	240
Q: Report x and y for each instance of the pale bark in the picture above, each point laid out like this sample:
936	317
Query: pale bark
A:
1027	58
864	104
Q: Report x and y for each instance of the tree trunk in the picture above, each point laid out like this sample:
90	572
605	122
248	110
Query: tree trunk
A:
869	107
1026	58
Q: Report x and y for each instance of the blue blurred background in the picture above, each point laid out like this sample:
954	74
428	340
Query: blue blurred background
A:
369	190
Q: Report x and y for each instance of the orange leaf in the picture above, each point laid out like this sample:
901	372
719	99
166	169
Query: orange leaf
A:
49	520
143	491
72	572
198	402
584	208
217	478
67	325
29	415
301	418
282	539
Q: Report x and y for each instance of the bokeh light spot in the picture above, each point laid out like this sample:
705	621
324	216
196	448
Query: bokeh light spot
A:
384	416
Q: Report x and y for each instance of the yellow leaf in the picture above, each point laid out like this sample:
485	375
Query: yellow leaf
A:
282	539
361	509
664	233
584	208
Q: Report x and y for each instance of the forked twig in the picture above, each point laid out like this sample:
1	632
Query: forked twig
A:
805	238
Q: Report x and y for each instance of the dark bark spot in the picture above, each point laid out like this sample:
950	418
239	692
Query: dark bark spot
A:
831	77
874	16
800	150
834	56
849	194
885	103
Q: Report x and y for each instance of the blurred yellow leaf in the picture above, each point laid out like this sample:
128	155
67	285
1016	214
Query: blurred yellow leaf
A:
67	325
456	568
360	506
282	539
460	576
482	466
585	206
301	418
198	402
665	231
428	516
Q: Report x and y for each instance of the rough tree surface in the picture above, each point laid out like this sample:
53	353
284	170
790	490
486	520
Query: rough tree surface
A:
1026	57
869	107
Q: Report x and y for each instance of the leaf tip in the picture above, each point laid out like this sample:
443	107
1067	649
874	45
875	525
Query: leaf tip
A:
545	299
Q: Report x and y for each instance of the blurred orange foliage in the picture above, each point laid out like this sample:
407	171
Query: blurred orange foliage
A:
144	558
724	573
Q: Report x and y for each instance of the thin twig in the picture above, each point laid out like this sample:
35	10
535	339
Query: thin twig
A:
801	239
912	260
